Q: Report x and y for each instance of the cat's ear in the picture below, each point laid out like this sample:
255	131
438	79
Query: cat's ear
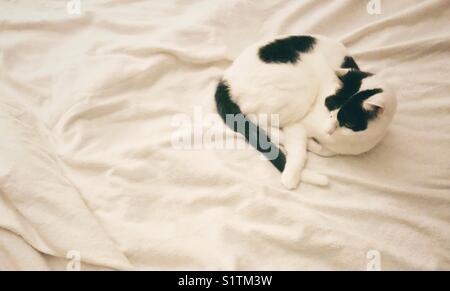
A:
375	104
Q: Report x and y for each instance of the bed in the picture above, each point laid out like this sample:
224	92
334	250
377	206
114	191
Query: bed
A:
90	179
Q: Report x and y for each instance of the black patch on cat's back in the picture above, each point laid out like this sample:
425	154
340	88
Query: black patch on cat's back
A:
286	50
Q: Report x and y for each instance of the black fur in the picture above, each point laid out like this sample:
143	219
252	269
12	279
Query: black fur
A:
254	135
349	100
351	83
349	63
286	50
353	115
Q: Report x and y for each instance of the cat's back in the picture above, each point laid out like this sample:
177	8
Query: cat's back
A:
250	66
261	86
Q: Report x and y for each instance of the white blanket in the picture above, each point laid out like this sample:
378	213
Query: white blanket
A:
88	169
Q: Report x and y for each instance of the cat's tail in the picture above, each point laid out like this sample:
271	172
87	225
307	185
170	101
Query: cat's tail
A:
238	122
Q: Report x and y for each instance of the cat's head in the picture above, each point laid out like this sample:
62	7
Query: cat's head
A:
363	106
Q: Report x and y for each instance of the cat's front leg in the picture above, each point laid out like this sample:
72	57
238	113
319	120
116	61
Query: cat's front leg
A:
318	149
295	143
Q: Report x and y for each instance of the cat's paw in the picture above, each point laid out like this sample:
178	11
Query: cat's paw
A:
290	179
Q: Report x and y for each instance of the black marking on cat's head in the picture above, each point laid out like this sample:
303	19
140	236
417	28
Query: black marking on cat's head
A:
353	115
351	83
286	50
349	63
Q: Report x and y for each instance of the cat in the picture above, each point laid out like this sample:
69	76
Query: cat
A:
325	103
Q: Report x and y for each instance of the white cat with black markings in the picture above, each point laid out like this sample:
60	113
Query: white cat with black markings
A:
324	102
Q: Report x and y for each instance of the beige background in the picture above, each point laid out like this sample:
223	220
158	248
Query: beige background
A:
86	161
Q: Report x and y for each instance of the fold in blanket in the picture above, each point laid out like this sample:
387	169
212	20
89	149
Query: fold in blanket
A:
87	166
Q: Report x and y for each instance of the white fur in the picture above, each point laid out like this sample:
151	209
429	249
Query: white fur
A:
297	92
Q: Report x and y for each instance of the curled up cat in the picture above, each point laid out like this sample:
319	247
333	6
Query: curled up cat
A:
324	102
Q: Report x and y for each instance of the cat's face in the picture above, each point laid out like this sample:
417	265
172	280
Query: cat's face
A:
359	124
357	103
357	111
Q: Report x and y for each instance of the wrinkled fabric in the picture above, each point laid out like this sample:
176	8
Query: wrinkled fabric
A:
87	163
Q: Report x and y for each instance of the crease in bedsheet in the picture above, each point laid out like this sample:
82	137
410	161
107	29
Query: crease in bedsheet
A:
428	44
21	205
409	14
